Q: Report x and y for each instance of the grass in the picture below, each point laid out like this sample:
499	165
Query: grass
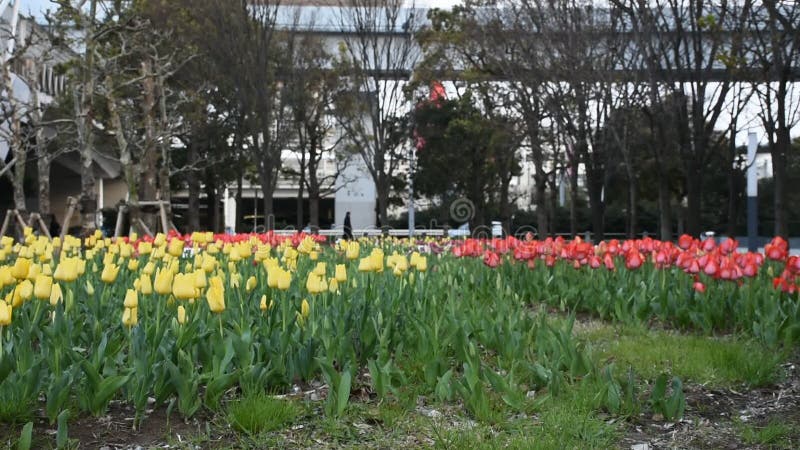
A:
259	413
718	362
775	434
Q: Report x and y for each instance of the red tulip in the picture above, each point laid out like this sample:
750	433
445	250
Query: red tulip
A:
685	241
633	260
608	261
699	287
491	259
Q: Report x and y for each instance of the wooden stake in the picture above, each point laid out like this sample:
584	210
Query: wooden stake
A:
164	225
143	227
6	221
120	219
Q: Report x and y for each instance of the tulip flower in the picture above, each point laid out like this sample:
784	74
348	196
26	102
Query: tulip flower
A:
216	295
133	265
5	313
181	315
251	283
56	295
183	286
130	317
263	304
305	309
365	264
333	286
341	273
175	247
43	287
163	282
145	285
21	268
25	290
352	250
131	299
284	280
110	273
200	280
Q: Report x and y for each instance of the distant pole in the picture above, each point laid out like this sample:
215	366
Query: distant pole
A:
411	194
752	193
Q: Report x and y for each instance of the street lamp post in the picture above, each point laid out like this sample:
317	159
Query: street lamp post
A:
752	193
411	193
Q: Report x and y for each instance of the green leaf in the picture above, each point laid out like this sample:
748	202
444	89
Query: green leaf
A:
62	437
343	394
106	390
25	437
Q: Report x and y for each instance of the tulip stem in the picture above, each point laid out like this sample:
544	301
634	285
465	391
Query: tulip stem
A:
219	316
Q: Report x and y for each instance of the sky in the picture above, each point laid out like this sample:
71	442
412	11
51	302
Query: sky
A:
38	7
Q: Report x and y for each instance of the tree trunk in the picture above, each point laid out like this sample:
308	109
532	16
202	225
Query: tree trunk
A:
266	177
84	106
664	207
150	156
166	161
300	191
779	154
212	203
573	199
194	191
540	198
595	183
633	215
237	227
694	191
733	188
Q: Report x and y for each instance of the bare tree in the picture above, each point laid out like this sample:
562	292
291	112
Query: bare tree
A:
776	48
378	52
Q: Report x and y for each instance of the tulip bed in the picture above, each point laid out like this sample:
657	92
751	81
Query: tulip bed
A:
188	322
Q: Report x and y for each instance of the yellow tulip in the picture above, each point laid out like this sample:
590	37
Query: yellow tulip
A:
34	272
313	256
183	287
236	280
145	284
42	287
200	280
6	279
56	295
130	317
306	245
133	265
251	283
263	304
144	248
422	264
175	247
352	250
5	313
181	315
320	269
273	275
159	240
25	290
131	299
110	272
333	285
21	268
163	282
89	287
341	273
305	309
365	264
285	280
216	295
